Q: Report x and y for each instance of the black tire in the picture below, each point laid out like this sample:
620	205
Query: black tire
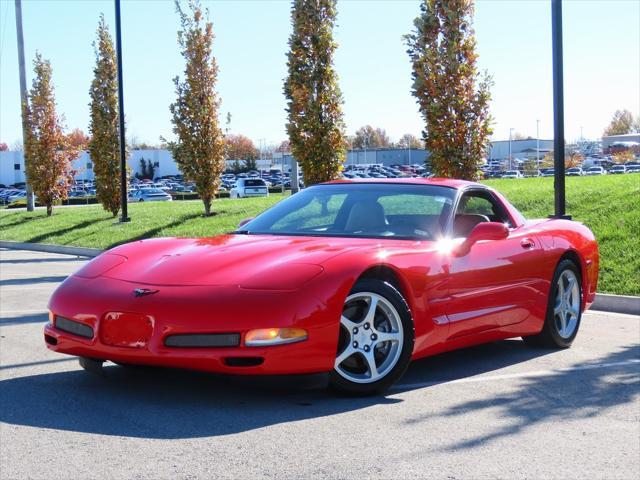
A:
550	336
342	385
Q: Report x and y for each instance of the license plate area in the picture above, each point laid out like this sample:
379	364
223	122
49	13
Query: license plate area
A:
124	329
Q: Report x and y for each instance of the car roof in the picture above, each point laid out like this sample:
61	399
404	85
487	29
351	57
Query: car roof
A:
443	182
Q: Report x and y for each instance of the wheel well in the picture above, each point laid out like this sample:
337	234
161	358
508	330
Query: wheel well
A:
572	256
575	258
386	274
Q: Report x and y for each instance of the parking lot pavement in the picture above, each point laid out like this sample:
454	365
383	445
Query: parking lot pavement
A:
502	410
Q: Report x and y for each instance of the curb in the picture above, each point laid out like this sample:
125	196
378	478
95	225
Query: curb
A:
604	302
617	303
43	247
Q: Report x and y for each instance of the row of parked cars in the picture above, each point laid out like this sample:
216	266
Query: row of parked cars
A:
631	167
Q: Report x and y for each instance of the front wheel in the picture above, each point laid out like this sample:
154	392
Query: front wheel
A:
375	340
564	309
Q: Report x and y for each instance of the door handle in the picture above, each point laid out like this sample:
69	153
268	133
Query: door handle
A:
527	243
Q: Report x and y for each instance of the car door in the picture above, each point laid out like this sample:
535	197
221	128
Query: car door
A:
498	282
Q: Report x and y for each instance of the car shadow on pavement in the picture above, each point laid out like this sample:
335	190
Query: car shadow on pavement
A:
587	390
33	280
24	318
170	404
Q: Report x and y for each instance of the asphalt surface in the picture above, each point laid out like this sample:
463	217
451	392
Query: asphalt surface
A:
502	410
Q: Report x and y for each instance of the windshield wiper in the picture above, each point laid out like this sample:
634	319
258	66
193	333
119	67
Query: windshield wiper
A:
242	232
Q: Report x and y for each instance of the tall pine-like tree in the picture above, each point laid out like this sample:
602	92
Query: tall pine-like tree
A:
47	149
452	95
199	149
104	146
315	126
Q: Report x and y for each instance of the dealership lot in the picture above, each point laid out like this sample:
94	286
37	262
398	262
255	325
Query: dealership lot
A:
497	411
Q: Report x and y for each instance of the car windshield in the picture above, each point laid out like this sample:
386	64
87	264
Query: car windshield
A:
359	210
147	191
595	169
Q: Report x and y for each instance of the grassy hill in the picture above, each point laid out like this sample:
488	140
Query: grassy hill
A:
609	205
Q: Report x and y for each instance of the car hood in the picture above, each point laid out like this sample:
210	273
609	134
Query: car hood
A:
255	261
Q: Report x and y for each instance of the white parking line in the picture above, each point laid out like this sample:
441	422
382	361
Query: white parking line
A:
537	373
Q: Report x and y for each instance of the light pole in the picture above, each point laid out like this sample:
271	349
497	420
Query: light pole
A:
510	132
23	98
366	138
538	143
558	110
123	161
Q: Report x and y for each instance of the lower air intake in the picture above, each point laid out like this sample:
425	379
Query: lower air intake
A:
203	340
71	326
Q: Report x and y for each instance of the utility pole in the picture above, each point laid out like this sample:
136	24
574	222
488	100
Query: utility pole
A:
538	144
123	160
23	99
510	132
558	110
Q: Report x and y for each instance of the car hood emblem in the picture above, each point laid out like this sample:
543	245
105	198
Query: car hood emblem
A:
141	292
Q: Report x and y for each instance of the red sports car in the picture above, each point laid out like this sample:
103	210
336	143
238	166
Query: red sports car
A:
355	278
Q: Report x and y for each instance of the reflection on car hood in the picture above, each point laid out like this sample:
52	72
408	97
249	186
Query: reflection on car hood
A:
222	260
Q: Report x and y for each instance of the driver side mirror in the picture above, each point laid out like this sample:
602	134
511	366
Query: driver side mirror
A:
482	231
244	221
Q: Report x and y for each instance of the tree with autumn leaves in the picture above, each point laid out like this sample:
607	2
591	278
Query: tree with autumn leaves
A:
104	146
315	125
453	97
199	149
48	152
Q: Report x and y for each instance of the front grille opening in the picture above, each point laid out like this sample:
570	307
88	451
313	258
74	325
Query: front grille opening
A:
71	326
243	361
50	340
203	340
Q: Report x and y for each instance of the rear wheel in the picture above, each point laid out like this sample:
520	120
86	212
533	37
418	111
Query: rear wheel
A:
564	309
375	340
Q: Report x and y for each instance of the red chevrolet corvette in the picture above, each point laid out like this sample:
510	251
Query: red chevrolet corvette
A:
355	278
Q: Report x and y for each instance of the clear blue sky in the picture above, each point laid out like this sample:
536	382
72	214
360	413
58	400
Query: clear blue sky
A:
602	62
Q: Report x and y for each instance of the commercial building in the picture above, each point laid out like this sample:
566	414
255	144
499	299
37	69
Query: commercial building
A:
630	140
12	163
523	149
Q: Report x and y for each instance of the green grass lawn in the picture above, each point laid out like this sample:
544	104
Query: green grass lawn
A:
609	205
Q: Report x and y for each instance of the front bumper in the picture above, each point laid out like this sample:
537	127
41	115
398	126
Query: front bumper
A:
194	310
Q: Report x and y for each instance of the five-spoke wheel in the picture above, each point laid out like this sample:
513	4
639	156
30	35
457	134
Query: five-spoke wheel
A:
375	340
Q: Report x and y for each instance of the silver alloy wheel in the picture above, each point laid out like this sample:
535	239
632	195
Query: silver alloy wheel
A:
372	338
567	305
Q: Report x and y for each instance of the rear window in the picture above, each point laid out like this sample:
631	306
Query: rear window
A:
254	183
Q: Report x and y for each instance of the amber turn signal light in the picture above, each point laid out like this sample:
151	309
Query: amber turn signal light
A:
274	336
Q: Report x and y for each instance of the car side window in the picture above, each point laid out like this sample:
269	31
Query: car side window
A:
483	203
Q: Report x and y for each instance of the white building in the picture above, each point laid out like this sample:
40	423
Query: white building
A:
12	165
499	149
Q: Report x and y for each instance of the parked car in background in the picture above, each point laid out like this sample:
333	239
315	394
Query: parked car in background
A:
547	172
150	195
512	174
633	169
574	172
595	171
249	187
617	169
